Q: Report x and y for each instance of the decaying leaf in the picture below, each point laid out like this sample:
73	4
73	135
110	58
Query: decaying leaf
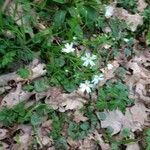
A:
139	79
78	117
4	146
15	96
36	68
24	138
133	20
141	5
63	101
109	74
88	144
43	138
72	101
103	145
113	120
132	120
3	133
54	98
133	146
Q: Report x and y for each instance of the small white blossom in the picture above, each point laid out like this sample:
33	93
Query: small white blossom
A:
109	66
126	40
74	38
109	10
68	48
86	87
97	78
89	59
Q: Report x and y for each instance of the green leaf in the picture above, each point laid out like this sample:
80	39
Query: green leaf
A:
36	119
126	132
59	18
23	73
40	85
148	37
28	87
101	115
84	126
60	1
7	58
109	130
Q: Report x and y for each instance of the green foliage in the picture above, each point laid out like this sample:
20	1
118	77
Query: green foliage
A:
24	73
113	96
147	132
40	85
78	131
22	114
130	5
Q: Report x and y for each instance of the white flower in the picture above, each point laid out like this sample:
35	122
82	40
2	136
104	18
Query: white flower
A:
97	78
126	40
88	59
109	10
68	48
109	66
86	87
74	38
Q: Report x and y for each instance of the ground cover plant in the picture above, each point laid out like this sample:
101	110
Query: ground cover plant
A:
74	74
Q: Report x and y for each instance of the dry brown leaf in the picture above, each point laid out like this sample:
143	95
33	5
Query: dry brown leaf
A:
139	79
47	124
103	145
43	138
114	120
54	98
78	117
51	148
25	138
131	119
133	20
36	68
141	5
4	146
72	101
109	74
63	101
133	146
3	133
3	89
15	97
88	144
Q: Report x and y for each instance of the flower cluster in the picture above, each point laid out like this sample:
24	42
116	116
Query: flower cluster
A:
87	86
88	61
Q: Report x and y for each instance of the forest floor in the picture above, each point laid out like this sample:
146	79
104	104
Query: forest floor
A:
74	75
